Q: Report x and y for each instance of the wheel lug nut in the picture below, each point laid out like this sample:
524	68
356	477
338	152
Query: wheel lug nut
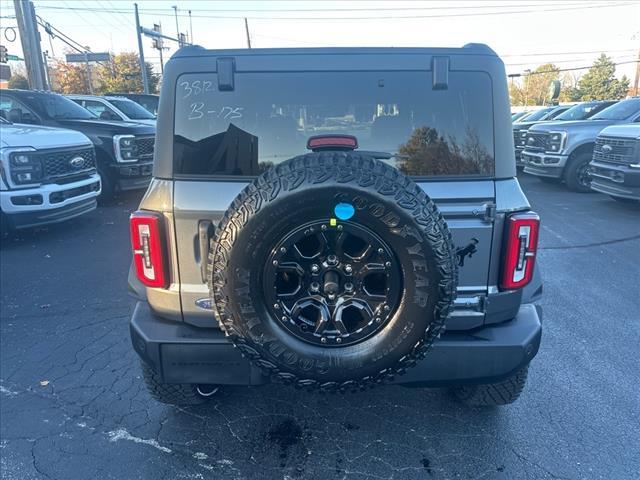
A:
348	287
323	227
315	268
387	264
283	318
315	287
348	268
339	227
323	340
276	306
332	259
378	319
387	308
283	250
380	251
275	262
331	296
338	340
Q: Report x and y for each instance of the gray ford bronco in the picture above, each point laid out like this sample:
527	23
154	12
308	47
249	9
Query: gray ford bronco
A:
334	219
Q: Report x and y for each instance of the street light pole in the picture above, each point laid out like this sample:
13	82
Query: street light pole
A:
175	11
246	28
143	69
526	86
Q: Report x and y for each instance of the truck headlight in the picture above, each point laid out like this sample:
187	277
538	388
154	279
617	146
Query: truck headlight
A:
556	141
521	138
125	148
25	168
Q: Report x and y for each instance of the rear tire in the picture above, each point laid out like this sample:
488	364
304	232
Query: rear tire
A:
493	394
170	393
576	173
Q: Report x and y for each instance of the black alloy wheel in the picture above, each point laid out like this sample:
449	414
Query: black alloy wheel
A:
332	285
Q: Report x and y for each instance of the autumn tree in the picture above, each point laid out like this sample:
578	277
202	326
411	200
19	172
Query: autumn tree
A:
600	83
569	91
429	153
19	81
69	78
122	74
534	89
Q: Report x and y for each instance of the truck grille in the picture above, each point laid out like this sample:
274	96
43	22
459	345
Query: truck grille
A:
536	140
145	147
63	163
616	150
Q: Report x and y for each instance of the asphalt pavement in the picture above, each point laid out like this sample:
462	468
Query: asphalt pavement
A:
72	403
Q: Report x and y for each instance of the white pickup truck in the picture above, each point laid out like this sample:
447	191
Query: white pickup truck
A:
47	175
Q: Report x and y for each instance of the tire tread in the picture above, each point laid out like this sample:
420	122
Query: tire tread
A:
318	168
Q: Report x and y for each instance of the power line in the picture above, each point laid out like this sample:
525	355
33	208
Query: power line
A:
365	9
566	69
573	60
564	53
158	12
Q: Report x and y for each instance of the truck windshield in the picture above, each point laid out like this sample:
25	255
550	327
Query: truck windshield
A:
620	111
578	112
268	117
538	115
61	108
131	109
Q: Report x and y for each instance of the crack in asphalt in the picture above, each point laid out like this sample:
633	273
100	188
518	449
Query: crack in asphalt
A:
594	244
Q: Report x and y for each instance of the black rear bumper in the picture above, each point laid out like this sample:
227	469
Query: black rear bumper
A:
133	176
180	353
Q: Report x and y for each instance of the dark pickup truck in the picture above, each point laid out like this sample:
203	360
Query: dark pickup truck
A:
124	150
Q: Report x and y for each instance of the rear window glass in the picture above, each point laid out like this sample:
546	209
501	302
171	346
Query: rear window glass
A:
268	117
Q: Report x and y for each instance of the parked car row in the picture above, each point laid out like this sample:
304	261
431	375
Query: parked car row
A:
60	155
576	149
562	113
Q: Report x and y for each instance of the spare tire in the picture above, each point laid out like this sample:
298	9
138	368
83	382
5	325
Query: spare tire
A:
332	270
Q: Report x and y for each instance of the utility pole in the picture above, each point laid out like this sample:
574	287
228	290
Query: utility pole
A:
158	44
175	11
190	28
637	80
86	62
143	67
526	86
30	39
46	68
246	28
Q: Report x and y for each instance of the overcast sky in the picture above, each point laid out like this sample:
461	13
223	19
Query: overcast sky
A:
524	33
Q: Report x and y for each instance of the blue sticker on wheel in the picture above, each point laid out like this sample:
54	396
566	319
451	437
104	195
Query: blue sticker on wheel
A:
344	211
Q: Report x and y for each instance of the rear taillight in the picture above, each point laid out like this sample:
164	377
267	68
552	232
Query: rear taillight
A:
521	247
149	254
